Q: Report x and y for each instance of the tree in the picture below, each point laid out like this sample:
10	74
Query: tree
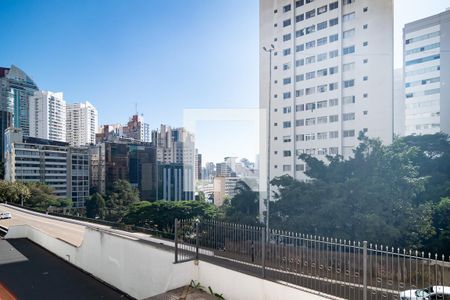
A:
161	214
244	206
200	197
14	192
41	196
440	242
371	196
122	195
96	206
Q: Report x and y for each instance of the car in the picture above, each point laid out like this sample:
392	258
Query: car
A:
436	292
5	215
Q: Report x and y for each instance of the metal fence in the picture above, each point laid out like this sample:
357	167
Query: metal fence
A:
341	268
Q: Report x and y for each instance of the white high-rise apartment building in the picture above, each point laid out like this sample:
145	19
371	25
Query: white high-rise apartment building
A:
426	65
48	116
81	123
331	77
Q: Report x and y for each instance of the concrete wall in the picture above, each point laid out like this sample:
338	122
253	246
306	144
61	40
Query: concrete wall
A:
143	270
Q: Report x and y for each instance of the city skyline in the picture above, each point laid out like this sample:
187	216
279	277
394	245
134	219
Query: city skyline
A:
68	59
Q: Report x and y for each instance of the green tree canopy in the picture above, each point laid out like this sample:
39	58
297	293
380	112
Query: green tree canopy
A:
96	206
371	196
121	196
244	206
161	214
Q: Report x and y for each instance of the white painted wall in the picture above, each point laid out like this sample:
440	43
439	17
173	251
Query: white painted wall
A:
138	269
143	270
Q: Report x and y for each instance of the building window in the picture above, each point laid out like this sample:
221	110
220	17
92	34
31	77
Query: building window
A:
286	110
334	53
322	88
286	66
333	86
365	9
346	2
287	124
300	107
286	37
322	120
300	122
348	33
299	18
310	75
365	61
300	167
334	134
299	48
322	72
334	5
333	22
322	25
299	33
299	62
422	60
322	9
310	106
310	91
348	67
348	116
322	135
310	121
322	41
286	22
310	29
286	8
365	112
334	37
286	168
333	70
299	93
349	83
299	77
349	50
322	104
310	44
365	78
287	80
286	95
365	26
333	118
310	137
299	3
286	153
365	95
365	44
348	17
310	60
287	51
310	14
322	56
333	102
349	133
348	99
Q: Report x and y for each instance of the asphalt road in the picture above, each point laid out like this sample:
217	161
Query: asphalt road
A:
28	271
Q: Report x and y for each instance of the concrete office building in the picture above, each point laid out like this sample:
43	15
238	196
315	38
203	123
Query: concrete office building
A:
426	65
174	182
54	163
331	78
224	187
48	116
81	123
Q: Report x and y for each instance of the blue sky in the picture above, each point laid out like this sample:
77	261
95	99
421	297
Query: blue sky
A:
163	55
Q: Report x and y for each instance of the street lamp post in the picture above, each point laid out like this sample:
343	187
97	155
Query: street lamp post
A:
269	111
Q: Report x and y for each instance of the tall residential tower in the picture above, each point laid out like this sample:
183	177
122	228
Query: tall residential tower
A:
81	124
331	76
426	65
